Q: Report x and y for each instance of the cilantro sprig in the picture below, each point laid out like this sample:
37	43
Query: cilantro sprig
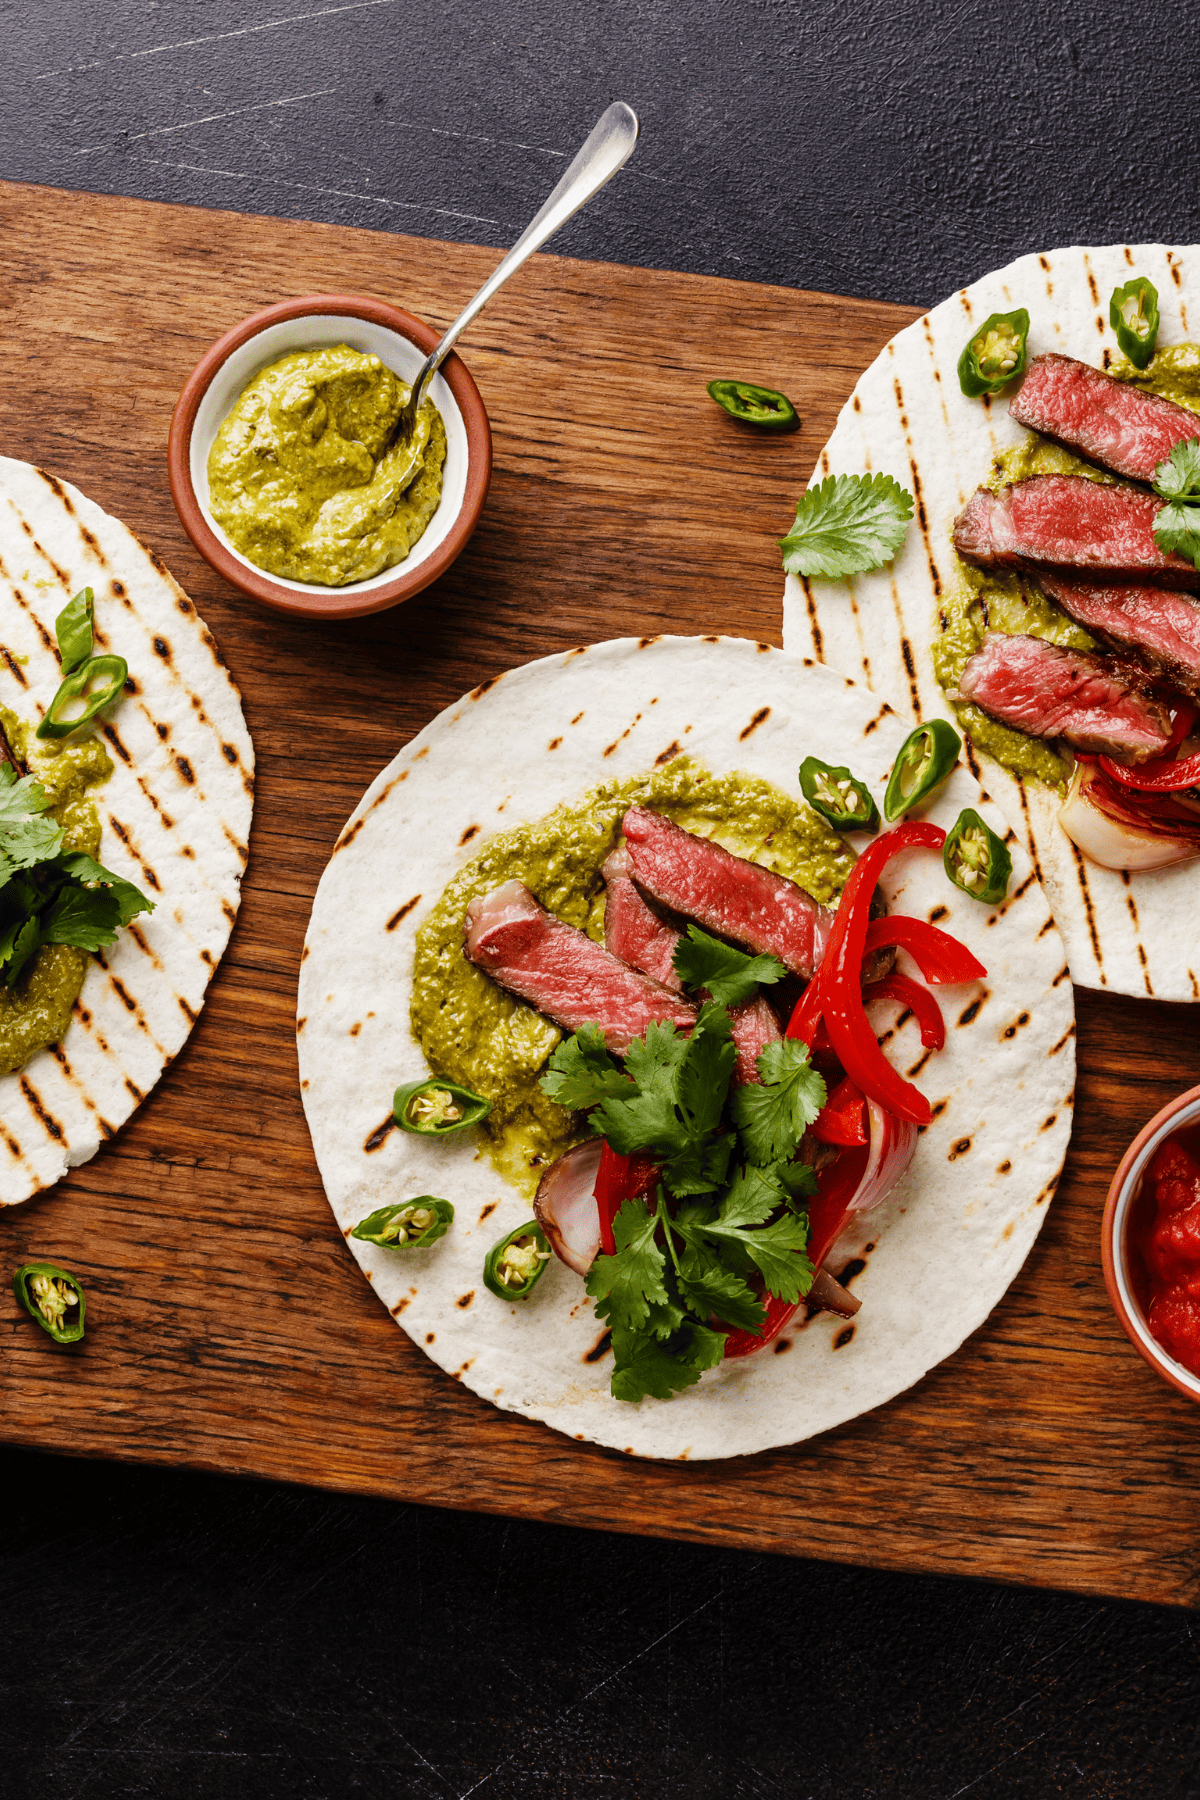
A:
847	525
729	976
1177	481
728	1222
49	895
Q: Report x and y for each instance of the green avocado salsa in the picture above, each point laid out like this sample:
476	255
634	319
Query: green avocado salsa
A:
976	600
37	1010
474	1033
307	478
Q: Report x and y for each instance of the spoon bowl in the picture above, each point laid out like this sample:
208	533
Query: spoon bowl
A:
402	342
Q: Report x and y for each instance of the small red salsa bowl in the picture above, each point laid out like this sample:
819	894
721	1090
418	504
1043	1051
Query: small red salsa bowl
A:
1127	1215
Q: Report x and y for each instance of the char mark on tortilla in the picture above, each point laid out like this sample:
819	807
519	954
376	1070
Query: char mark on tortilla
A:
1049	692
1161	628
1112	423
634	932
751	906
562	972
1069	526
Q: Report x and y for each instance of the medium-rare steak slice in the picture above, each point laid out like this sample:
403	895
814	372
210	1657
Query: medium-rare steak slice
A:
1049	692
1071	526
637	934
1162	628
1112	423
632	930
735	899
562	972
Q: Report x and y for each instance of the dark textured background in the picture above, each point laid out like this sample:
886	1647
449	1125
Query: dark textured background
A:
179	1635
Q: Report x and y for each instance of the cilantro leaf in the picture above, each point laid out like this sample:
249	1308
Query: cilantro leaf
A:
704	1070
654	1060
26	943
709	1287
626	1285
1178	478
582	1072
753	1195
751	1198
778	1252
130	900
701	1166
645	1365
730	976
847	525
1177	527
681	1088
88	918
773	1114
26	837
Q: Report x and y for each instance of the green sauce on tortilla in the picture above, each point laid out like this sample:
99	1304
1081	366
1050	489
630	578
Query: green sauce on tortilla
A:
306	477
976	601
474	1033
37	1011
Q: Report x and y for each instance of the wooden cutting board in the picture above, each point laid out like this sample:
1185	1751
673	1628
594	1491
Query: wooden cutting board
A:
228	1328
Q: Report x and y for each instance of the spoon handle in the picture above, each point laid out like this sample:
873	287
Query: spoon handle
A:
609	145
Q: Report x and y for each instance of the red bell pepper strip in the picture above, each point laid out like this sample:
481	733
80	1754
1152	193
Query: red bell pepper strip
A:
1162	774
843	1118
920	1003
621	1178
841	973
805	1022
827	1213
939	956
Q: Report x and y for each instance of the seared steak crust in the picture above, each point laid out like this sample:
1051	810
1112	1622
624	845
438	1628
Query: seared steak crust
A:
1161	628
1112	423
735	899
562	972
1049	692
1069	526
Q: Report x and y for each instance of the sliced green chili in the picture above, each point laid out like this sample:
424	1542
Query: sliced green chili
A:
1133	315
112	671
73	629
976	860
435	1108
752	405
926	757
995	354
54	1297
840	798
407	1225
514	1266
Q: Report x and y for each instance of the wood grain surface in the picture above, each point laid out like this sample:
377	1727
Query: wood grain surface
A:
227	1327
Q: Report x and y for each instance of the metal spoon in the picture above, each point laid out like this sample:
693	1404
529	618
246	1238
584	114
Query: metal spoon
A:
609	146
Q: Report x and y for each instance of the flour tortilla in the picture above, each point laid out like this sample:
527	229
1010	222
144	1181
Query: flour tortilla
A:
175	815
949	1238
908	418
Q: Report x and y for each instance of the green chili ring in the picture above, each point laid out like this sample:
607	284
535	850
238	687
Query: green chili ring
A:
752	405
841	799
995	355
407	1224
1136	337
434	1108
926	757
38	1286
77	686
525	1254
976	860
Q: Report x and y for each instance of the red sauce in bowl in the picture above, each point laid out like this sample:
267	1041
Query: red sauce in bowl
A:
1164	1247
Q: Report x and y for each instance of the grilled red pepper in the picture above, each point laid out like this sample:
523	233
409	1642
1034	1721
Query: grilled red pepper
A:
939	956
1162	774
919	1001
843	1118
841	972
621	1178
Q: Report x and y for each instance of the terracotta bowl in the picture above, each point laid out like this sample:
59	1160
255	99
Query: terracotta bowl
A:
1114	1238
402	343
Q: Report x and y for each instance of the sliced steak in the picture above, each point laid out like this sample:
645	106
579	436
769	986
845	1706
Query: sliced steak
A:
1070	526
1162	628
726	894
636	933
1049	692
1112	423
562	972
632	930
